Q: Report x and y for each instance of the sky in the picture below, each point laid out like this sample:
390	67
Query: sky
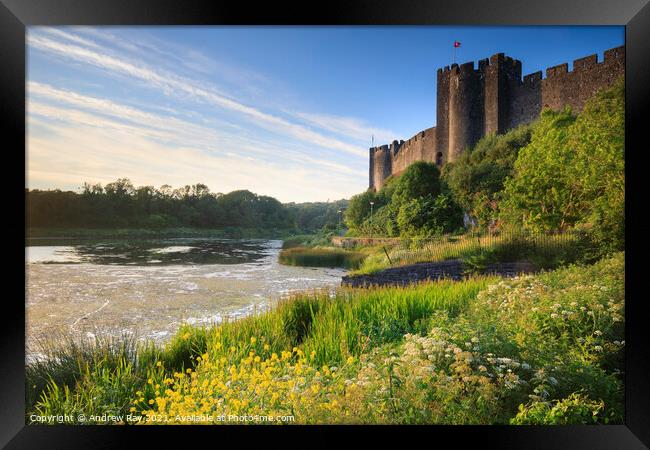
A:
288	112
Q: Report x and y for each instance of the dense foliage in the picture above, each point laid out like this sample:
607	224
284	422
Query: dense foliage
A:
121	205
314	216
411	204
573	172
477	177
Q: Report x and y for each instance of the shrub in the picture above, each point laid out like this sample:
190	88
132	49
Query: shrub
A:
577	409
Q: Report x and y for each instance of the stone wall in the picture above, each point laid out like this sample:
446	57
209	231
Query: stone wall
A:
493	98
416	273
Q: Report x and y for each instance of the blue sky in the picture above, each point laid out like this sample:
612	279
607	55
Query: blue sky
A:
282	111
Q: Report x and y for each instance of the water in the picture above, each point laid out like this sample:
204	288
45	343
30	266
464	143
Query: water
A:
148	288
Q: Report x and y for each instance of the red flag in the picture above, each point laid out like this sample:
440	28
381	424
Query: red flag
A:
456	44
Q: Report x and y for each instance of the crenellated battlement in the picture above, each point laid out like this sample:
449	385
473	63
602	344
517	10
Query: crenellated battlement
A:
493	97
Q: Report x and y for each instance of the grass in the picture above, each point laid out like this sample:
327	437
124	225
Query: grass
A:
537	349
544	251
321	257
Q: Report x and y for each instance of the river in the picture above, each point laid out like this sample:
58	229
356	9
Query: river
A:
148	288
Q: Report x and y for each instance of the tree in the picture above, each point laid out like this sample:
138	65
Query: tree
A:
477	178
420	179
572	172
359	208
429	216
539	195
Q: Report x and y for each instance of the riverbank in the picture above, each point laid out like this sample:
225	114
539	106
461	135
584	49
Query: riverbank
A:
421	272
538	349
181	232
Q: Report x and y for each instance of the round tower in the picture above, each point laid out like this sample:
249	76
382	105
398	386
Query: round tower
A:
463	99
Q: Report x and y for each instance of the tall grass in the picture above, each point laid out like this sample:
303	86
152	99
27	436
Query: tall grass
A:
359	320
321	257
543	250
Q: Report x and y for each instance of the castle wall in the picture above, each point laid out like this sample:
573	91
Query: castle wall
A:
421	147
494	98
562	87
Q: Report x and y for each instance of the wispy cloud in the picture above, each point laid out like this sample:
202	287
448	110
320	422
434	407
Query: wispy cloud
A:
75	137
171	84
350	127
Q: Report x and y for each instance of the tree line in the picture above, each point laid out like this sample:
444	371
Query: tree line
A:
122	205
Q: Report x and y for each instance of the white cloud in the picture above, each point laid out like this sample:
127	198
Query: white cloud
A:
170	84
74	137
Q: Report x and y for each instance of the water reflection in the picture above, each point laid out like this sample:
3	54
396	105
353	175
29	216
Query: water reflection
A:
152	251
150	287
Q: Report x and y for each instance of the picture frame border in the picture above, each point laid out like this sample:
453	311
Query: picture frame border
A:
17	15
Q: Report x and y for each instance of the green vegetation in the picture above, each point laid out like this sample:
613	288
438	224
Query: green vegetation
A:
321	257
533	350
572	174
477	178
318	216
120	209
543	251
184	232
411	205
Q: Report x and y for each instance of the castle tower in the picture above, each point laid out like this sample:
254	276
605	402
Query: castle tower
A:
465	109
501	76
442	113
381	165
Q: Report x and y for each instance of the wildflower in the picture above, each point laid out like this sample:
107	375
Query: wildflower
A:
158	364
253	340
598	333
598	348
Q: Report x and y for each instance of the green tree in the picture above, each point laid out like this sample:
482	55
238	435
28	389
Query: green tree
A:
429	216
477	178
573	172
359	208
538	196
420	179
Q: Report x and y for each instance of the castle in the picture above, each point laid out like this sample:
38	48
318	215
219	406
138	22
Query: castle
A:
472	103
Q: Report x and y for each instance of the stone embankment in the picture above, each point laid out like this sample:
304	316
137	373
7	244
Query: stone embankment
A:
415	273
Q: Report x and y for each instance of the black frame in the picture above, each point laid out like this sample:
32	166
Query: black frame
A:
15	15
